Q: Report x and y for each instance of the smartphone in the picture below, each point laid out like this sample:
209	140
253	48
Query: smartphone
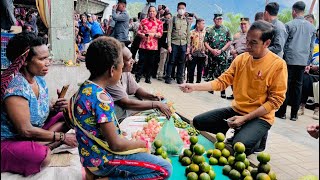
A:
228	120
146	35
63	91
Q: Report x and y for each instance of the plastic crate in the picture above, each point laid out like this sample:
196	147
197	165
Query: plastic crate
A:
4	42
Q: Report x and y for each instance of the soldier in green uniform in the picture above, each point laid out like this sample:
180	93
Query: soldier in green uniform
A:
217	40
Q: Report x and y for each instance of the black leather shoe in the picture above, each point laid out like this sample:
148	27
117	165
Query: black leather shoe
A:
168	82
230	97
147	81
138	80
294	118
281	116
223	96
180	82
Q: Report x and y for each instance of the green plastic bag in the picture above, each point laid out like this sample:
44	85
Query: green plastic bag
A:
170	138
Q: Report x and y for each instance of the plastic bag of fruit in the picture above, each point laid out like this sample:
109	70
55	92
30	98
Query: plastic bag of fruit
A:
170	138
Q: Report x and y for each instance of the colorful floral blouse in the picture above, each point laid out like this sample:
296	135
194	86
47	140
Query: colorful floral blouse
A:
150	26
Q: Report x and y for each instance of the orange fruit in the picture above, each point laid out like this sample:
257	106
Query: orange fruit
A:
187	153
164	155
213	161
248	178
209	152
263	157
205	167
204	176
247	162
225	153
159	151
234	174
272	175
226	169
219	145
240	157
212	174
220	137
223	161
231	160
198	159
239	147
194	168
216	153
245	173
240	166
263	176
264	168
186	161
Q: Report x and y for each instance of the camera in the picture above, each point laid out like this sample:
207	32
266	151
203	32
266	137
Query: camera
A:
163	7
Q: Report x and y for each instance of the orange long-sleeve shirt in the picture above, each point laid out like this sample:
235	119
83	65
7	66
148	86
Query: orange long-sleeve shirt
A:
256	82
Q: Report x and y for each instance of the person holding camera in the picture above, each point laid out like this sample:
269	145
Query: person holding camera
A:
197	56
150	30
121	18
178	43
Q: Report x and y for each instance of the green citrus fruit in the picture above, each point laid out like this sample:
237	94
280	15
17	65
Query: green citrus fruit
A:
247	162
187	153
193	139
164	155
234	174
220	137
205	167
198	159
186	161
157	143
264	168
192	176
159	151
191	147
263	176
240	166
231	160
249	168
272	175
198	149
225	153
187	170
263	157
239	147
240	157
223	161
194	168
226	169
216	153
213	161
209	152
245	173
212	174
204	176
219	145
248	178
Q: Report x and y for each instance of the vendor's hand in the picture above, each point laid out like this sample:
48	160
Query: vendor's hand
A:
237	121
313	130
157	97
188	50
186	88
164	108
214	52
70	140
60	104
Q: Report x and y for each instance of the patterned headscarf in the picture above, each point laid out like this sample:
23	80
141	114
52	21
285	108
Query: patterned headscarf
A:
12	70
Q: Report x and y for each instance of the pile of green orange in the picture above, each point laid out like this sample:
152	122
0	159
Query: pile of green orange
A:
220	155
159	151
193	158
238	166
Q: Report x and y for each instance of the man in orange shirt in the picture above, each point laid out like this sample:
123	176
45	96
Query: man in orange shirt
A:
259	79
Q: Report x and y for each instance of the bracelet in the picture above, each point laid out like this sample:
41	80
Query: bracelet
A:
61	136
54	136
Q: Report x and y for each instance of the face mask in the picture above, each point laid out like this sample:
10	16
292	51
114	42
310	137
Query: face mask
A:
181	11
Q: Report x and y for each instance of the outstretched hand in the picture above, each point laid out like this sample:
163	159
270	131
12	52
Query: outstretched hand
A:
186	88
313	130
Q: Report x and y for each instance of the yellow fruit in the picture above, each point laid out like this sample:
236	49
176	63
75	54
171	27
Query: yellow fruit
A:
159	151
157	143
198	149
263	157
240	157
187	153
225	153
186	161
239	147
248	178
216	153
263	176
193	139
264	168
272	175
245	173
213	161
164	155
219	145
212	174
231	160
220	137
194	168
192	176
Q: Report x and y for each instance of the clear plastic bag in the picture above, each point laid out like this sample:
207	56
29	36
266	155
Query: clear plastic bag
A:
170	138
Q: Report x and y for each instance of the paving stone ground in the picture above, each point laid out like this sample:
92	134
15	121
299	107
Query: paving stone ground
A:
293	152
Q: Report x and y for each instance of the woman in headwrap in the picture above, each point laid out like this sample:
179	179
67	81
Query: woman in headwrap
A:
28	122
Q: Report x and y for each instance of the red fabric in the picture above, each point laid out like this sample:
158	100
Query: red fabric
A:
9	73
148	26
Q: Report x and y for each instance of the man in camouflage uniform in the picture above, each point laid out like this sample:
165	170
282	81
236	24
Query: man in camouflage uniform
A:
238	45
217	40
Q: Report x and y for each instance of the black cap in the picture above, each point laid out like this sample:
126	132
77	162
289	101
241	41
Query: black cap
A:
217	15
244	20
182	3
122	1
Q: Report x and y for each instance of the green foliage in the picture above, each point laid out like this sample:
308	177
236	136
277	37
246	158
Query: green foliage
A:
233	22
134	8
285	15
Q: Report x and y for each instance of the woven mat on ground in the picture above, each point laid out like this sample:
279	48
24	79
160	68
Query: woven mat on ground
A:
60	160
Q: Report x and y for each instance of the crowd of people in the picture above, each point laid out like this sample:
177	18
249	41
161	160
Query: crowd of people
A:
267	63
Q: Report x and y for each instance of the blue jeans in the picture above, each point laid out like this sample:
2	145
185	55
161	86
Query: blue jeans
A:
135	166
250	134
178	56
